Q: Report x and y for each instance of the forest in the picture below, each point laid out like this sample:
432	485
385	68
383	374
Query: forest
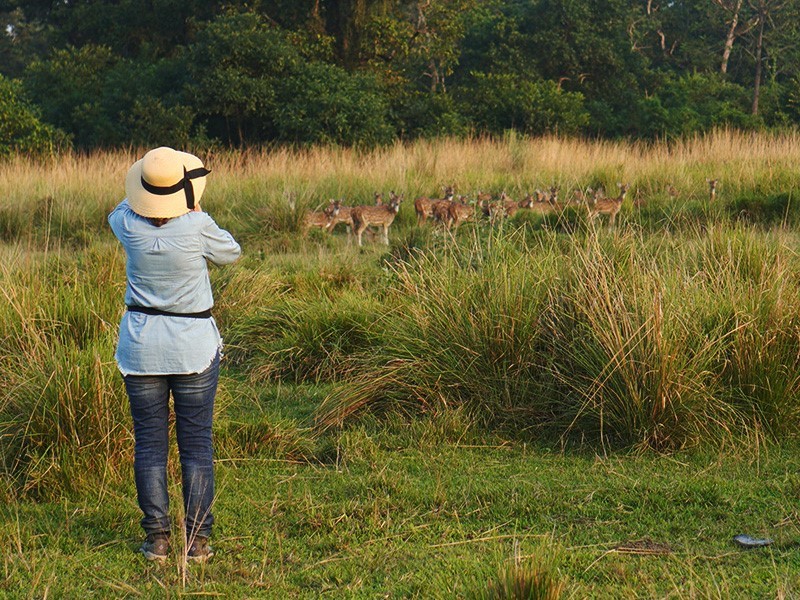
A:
90	74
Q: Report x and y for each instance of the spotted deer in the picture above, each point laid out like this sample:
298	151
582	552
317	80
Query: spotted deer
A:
545	203
582	196
423	205
712	189
343	215
440	212
509	206
608	206
482	201
527	201
502	207
539	195
383	216
320	219
459	212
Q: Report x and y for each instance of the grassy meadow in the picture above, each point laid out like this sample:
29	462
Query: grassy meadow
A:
541	408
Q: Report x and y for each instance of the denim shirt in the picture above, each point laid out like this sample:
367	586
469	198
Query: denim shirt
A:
167	269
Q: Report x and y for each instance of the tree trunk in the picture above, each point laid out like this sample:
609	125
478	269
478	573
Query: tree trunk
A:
759	49
726	54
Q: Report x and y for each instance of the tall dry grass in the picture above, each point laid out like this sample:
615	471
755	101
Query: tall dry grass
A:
251	190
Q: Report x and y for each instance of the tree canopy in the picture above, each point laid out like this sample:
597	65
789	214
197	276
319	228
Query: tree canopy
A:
106	74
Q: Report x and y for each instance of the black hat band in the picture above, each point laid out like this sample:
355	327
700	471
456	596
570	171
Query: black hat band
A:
184	184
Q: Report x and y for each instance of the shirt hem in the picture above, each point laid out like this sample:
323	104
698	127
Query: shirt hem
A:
126	372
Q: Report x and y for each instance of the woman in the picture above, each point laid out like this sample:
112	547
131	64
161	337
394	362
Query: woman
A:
168	340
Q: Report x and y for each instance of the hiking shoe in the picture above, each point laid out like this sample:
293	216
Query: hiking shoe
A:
199	550
155	546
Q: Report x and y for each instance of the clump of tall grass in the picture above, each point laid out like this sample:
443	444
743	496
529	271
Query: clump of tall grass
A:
264	437
310	340
533	578
629	364
522	582
62	429
300	317
62	407
766	209
466	334
623	340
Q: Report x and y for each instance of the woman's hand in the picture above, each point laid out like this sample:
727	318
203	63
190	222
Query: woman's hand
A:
197	207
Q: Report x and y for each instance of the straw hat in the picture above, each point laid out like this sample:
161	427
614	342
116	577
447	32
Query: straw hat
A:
165	183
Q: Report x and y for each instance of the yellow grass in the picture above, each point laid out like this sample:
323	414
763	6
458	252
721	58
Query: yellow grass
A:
741	161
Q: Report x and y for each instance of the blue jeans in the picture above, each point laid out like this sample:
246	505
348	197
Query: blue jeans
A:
193	397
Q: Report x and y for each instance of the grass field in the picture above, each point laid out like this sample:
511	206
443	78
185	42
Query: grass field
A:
544	404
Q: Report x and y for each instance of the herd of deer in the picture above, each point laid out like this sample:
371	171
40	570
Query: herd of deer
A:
451	212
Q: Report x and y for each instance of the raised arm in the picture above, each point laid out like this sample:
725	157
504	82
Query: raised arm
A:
219	247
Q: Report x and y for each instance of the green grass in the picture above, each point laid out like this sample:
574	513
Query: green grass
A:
426	510
546	405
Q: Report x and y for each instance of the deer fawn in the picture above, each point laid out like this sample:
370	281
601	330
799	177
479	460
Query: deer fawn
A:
527	201
423	205
440	210
383	215
509	206
498	209
608	206
712	189
321	218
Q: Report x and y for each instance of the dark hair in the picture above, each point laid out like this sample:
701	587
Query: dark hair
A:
157	221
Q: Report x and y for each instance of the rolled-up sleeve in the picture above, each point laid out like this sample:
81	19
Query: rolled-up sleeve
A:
219	247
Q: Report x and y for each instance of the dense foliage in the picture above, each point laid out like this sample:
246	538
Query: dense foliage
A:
201	72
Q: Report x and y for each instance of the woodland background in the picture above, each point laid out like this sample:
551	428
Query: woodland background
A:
201	73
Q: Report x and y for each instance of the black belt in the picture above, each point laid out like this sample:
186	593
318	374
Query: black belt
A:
204	314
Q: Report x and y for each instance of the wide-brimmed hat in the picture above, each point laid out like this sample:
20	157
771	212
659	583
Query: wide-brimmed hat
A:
165	183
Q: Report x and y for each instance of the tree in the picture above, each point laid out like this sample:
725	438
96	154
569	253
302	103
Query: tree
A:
322	103
130	28
735	30
237	62
693	103
21	129
21	41
766	12
585	46
69	88
498	102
